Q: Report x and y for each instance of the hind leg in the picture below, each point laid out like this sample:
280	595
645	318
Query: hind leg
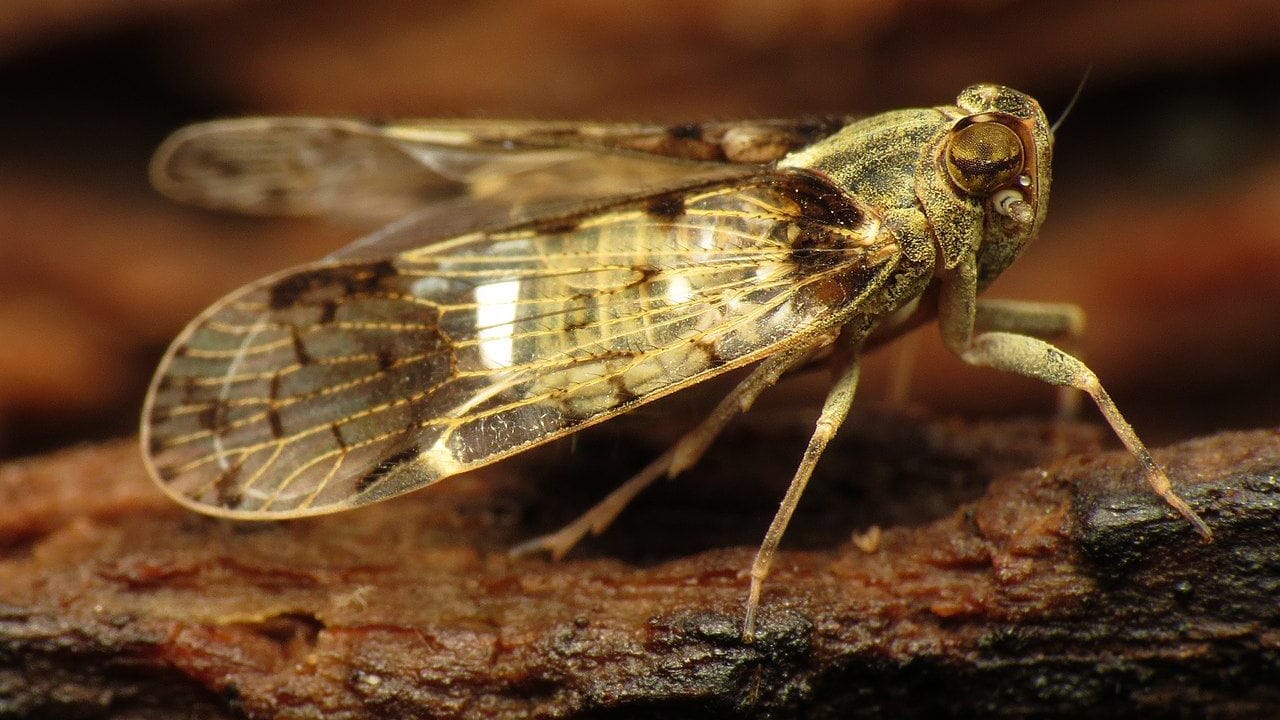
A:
678	458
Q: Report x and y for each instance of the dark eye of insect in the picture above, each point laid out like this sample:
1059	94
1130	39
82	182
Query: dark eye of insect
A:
983	156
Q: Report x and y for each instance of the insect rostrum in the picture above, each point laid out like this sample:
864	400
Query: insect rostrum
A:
549	276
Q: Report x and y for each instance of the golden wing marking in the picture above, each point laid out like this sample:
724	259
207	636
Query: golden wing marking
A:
541	365
453	420
267	347
348	384
290	397
450	421
294	367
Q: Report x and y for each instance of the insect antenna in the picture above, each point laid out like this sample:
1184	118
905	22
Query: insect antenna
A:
1053	129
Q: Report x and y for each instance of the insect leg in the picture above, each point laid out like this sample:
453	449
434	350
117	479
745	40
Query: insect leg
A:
1028	356
1061	322
678	458
1025	355
905	353
834	410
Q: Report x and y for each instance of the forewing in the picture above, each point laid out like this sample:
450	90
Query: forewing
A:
368	172
345	382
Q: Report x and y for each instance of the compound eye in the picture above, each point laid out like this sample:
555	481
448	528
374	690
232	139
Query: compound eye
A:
983	156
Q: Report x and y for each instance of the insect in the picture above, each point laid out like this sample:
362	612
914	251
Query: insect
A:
544	277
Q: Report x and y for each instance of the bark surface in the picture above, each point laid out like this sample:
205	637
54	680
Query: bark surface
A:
1059	590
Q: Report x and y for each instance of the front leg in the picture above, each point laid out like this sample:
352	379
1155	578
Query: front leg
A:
1043	320
1013	350
1059	322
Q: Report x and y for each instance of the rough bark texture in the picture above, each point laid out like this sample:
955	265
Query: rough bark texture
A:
1063	590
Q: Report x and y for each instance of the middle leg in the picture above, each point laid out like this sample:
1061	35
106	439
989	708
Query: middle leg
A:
834	410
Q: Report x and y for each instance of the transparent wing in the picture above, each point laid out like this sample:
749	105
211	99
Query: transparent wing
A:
349	381
369	172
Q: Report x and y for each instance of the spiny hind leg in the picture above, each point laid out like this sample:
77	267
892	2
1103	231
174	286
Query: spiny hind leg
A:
679	457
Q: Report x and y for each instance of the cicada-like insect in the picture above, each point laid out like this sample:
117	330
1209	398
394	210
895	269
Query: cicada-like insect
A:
543	277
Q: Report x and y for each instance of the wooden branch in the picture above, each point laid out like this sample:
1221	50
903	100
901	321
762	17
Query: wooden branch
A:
1063	590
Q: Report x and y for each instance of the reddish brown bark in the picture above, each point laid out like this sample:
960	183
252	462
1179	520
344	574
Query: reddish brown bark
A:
1064	589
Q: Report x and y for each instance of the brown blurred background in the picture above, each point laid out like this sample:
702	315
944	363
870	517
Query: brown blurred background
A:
1165	223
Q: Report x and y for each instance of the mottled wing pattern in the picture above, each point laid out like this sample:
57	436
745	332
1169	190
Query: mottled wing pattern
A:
345	382
376	172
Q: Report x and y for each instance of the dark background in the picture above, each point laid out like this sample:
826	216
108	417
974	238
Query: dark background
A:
1165	221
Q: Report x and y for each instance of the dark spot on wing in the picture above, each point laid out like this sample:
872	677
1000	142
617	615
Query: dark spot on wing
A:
273	419
644	274
225	488
287	292
328	309
815	250
377	272
299	348
810	130
687	131
667	206
570	418
380	471
708	348
823	208
337	435
213	417
622	393
329	283
819	200
581	314
556	226
385	360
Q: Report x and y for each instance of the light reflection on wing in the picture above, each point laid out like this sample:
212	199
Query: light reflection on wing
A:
348	381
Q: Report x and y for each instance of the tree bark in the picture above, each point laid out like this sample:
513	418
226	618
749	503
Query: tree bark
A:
1063	589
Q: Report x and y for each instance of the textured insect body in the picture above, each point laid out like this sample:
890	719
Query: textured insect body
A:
556	276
